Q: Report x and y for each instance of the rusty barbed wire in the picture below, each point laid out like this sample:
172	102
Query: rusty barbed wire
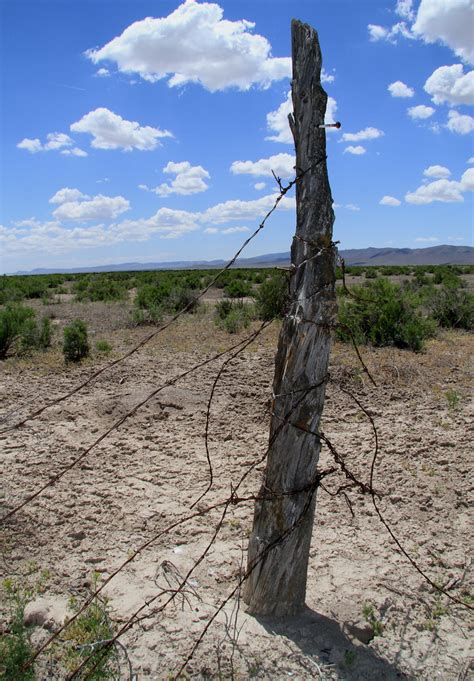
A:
283	191
233	499
119	422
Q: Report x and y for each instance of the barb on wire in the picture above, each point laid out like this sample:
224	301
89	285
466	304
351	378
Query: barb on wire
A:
225	364
283	191
380	515
233	499
198	513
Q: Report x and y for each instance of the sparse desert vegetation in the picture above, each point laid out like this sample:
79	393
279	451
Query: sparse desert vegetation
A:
415	341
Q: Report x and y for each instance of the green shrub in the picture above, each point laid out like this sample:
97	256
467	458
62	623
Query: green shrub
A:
20	331
239	318
103	346
99	287
371	273
382	313
181	299
223	308
452	307
36	335
272	296
142	317
448	276
15	646
237	288
75	344
233	316
151	297
85	639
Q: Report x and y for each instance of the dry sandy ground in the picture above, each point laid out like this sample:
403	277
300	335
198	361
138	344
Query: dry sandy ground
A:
147	474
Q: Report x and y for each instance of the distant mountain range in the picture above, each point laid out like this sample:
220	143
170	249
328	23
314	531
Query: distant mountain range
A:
435	255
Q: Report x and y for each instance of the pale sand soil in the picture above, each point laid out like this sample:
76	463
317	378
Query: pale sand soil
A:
147	474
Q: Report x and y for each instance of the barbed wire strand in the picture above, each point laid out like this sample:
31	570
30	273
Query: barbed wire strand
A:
283	191
382	517
53	480
233	499
208	412
167	530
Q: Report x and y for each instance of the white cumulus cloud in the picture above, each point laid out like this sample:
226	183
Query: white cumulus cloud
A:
66	194
391	34
166	222
277	121
244	210
281	164
260	185
194	44
96	208
189	179
389	201
449	21
467	180
462	124
366	134
75	151
400	89
55	141
427	239
234	230
445	191
451	85
111	131
31	145
437	171
357	150
404	9
420	112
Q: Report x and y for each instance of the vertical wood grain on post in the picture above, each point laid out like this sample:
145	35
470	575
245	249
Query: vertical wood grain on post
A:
277	583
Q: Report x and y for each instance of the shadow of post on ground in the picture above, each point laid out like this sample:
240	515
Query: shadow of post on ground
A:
322	639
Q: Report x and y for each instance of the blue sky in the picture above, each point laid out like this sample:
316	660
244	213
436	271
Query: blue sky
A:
147	131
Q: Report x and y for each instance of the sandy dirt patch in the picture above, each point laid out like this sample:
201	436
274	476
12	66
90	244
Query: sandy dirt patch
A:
148	473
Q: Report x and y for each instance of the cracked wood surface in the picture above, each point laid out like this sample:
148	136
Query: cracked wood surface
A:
277	584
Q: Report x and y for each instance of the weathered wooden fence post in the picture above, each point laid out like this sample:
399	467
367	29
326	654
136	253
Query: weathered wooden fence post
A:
277	582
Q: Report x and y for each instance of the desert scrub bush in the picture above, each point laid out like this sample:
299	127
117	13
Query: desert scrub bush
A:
75	342
20	332
223	308
452	307
383	314
181	299
452	398
36	335
140	317
237	288
448	276
233	316
271	297
99	287
15	646
103	346
87	636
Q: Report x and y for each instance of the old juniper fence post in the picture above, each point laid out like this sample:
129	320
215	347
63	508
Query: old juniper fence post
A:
277	583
